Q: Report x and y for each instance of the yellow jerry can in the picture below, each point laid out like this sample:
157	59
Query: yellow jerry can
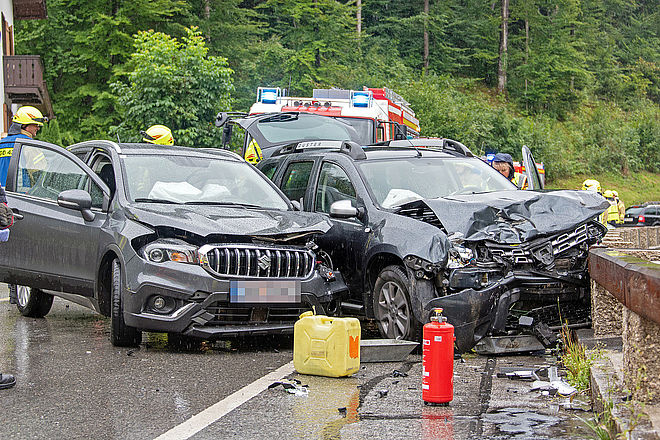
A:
326	346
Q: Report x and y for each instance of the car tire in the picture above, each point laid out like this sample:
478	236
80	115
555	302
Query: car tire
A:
32	302
121	335
392	306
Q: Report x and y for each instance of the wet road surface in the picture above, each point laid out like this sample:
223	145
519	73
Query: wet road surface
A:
72	384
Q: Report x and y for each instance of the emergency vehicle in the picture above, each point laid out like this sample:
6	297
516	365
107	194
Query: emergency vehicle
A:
377	114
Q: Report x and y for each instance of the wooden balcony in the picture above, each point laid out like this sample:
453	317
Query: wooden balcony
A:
24	82
30	9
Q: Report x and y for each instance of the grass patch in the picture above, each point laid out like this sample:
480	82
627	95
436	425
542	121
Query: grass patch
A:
636	188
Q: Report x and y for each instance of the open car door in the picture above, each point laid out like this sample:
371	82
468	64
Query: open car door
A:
534	181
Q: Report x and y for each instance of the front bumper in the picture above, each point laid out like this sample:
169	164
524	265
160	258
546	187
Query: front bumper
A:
476	313
203	308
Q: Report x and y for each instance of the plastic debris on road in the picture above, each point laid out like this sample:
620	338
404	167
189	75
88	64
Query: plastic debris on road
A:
292	387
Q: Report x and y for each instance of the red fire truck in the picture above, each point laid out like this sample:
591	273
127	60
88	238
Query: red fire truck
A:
376	114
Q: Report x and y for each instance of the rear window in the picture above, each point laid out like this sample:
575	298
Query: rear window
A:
633	211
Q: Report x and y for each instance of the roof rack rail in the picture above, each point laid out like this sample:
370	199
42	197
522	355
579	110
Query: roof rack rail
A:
352	149
428	143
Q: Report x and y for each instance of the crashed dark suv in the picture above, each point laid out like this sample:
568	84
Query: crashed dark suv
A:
193	242
423	223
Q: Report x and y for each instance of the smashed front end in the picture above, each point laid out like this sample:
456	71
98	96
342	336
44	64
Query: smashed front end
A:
516	263
255	278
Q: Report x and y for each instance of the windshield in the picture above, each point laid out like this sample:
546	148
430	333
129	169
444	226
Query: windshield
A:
197	180
301	127
397	181
364	128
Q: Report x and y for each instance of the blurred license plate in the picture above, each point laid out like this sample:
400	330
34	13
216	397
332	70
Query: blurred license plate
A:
628	220
264	291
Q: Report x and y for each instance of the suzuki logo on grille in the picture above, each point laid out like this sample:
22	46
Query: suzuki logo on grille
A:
264	262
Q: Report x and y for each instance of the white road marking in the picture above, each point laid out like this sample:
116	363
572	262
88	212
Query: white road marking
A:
215	412
4	299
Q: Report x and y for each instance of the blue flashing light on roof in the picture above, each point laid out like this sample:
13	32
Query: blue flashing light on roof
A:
361	99
268	95
490	157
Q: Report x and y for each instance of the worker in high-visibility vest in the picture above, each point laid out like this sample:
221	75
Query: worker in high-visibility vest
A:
253	153
613	210
621	206
25	124
594	185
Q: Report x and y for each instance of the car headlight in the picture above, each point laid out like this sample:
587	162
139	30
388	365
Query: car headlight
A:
459	256
161	251
417	263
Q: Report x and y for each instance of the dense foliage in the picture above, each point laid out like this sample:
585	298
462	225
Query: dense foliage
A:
582	85
176	84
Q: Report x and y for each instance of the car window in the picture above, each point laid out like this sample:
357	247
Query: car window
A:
102	166
296	179
652	210
268	169
295	127
634	211
197	180
394	182
334	185
46	173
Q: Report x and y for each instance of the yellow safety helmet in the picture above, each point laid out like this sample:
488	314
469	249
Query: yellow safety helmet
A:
158	134
27	115
591	185
608	194
616	194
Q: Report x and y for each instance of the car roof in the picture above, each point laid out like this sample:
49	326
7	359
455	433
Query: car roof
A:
375	153
166	150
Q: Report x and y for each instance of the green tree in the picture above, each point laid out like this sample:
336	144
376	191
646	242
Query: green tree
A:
81	44
174	83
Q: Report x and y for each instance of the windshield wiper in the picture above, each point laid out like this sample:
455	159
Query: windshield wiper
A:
204	202
147	200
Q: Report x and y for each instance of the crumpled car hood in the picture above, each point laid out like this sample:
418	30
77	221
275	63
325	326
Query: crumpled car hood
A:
206	220
513	217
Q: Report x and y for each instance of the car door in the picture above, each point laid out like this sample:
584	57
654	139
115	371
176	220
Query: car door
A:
346	240
51	245
533	177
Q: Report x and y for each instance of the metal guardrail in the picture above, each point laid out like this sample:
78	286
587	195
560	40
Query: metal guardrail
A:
631	280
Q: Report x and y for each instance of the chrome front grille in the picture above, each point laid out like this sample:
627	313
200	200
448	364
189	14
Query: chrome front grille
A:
567	241
248	261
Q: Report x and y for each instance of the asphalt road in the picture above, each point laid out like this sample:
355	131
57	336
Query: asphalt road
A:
73	384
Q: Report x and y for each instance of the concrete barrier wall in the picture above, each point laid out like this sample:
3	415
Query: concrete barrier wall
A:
632	280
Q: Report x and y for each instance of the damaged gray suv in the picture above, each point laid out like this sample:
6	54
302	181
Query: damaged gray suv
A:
423	223
193	242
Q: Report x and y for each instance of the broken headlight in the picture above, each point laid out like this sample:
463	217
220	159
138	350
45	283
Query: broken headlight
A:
178	251
417	263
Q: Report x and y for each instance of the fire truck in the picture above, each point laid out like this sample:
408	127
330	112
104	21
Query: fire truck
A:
377	114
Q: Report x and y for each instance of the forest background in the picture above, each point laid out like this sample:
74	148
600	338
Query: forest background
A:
578	81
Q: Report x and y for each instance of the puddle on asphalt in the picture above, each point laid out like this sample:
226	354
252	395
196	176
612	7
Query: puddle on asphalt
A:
523	424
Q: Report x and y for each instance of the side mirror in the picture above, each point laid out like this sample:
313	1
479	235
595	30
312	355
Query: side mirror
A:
296	205
343	209
79	200
401	132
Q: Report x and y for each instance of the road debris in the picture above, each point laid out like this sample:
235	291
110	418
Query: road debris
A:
292	387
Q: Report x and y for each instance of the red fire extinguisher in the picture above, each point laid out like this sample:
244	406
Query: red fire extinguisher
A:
438	360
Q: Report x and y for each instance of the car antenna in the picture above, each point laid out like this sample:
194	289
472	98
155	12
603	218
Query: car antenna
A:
118	140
